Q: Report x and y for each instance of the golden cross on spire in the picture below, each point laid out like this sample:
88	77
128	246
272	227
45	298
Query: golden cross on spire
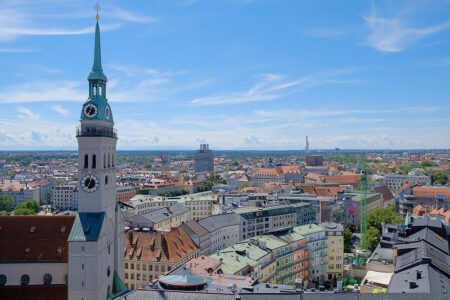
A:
97	8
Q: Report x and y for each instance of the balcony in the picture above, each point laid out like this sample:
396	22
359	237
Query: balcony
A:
96	131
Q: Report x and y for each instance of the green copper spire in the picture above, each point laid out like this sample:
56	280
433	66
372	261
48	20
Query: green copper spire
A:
97	71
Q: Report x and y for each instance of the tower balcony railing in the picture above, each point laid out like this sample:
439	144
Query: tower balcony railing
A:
96	131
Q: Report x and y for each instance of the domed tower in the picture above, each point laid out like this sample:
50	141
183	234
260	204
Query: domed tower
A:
96	239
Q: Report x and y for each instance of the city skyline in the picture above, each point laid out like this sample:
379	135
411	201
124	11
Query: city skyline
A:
192	67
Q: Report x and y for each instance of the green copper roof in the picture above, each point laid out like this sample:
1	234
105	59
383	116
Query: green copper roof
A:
97	71
87	227
118	285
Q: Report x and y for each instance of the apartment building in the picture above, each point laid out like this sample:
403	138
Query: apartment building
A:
394	181
316	241
427	196
125	193
224	230
278	174
200	205
259	220
65	196
335	250
200	236
20	192
161	219
149	255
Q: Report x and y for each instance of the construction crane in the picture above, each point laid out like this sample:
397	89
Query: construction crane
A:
363	205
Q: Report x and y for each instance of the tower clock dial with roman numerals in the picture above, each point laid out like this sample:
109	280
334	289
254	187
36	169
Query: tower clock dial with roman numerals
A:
89	183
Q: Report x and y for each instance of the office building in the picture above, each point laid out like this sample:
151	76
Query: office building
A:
314	160
204	159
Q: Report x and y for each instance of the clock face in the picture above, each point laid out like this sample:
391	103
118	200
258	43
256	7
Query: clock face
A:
89	183
90	110
107	113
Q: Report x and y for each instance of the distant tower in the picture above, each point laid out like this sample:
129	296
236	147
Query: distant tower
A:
204	159
307	145
96	260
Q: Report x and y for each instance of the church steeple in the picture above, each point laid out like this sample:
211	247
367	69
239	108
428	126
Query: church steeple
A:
97	107
97	70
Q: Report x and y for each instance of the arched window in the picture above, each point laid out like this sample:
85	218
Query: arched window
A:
106	180
112	155
109	160
104	160
94	162
86	161
47	279
25	279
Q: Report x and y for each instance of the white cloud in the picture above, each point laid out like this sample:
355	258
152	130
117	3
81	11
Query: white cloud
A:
43	91
395	34
273	86
17	50
61	110
129	16
26	113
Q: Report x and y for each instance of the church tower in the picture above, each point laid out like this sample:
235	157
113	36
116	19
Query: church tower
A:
96	240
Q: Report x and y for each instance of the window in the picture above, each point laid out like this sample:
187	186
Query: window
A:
47	279
106	180
104	160
86	161
3	280
25	279
94	161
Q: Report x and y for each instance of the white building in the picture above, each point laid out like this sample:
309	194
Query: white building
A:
224	230
394	181
96	239
65	196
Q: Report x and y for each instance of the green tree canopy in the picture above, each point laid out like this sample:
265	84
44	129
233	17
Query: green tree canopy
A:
29	204
373	238
348	240
427	163
380	215
6	203
439	178
23	211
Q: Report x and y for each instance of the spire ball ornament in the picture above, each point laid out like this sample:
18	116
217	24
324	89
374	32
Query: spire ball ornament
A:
97	8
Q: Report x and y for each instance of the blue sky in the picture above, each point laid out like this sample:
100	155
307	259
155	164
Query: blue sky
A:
236	74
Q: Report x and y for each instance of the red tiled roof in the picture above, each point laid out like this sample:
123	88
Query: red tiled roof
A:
168	247
26	238
430	192
35	292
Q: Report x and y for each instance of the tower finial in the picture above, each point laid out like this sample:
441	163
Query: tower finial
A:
97	8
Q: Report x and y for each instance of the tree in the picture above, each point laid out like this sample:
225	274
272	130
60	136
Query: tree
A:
6	202
23	211
427	163
347	240
439	178
373	238
31	205
380	215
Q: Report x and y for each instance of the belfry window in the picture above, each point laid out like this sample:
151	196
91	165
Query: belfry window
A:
94	162
104	160
109	160
86	161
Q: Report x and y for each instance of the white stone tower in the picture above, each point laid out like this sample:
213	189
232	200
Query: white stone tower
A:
96	240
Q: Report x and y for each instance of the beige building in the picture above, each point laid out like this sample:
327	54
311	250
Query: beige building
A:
200	206
335	250
149	255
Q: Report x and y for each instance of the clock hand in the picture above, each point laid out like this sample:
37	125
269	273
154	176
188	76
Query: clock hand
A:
90	109
90	180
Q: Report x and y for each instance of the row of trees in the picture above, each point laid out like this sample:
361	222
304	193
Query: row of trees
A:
29	207
374	220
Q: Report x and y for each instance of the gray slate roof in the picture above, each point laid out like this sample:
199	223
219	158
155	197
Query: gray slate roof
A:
194	229
213	223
